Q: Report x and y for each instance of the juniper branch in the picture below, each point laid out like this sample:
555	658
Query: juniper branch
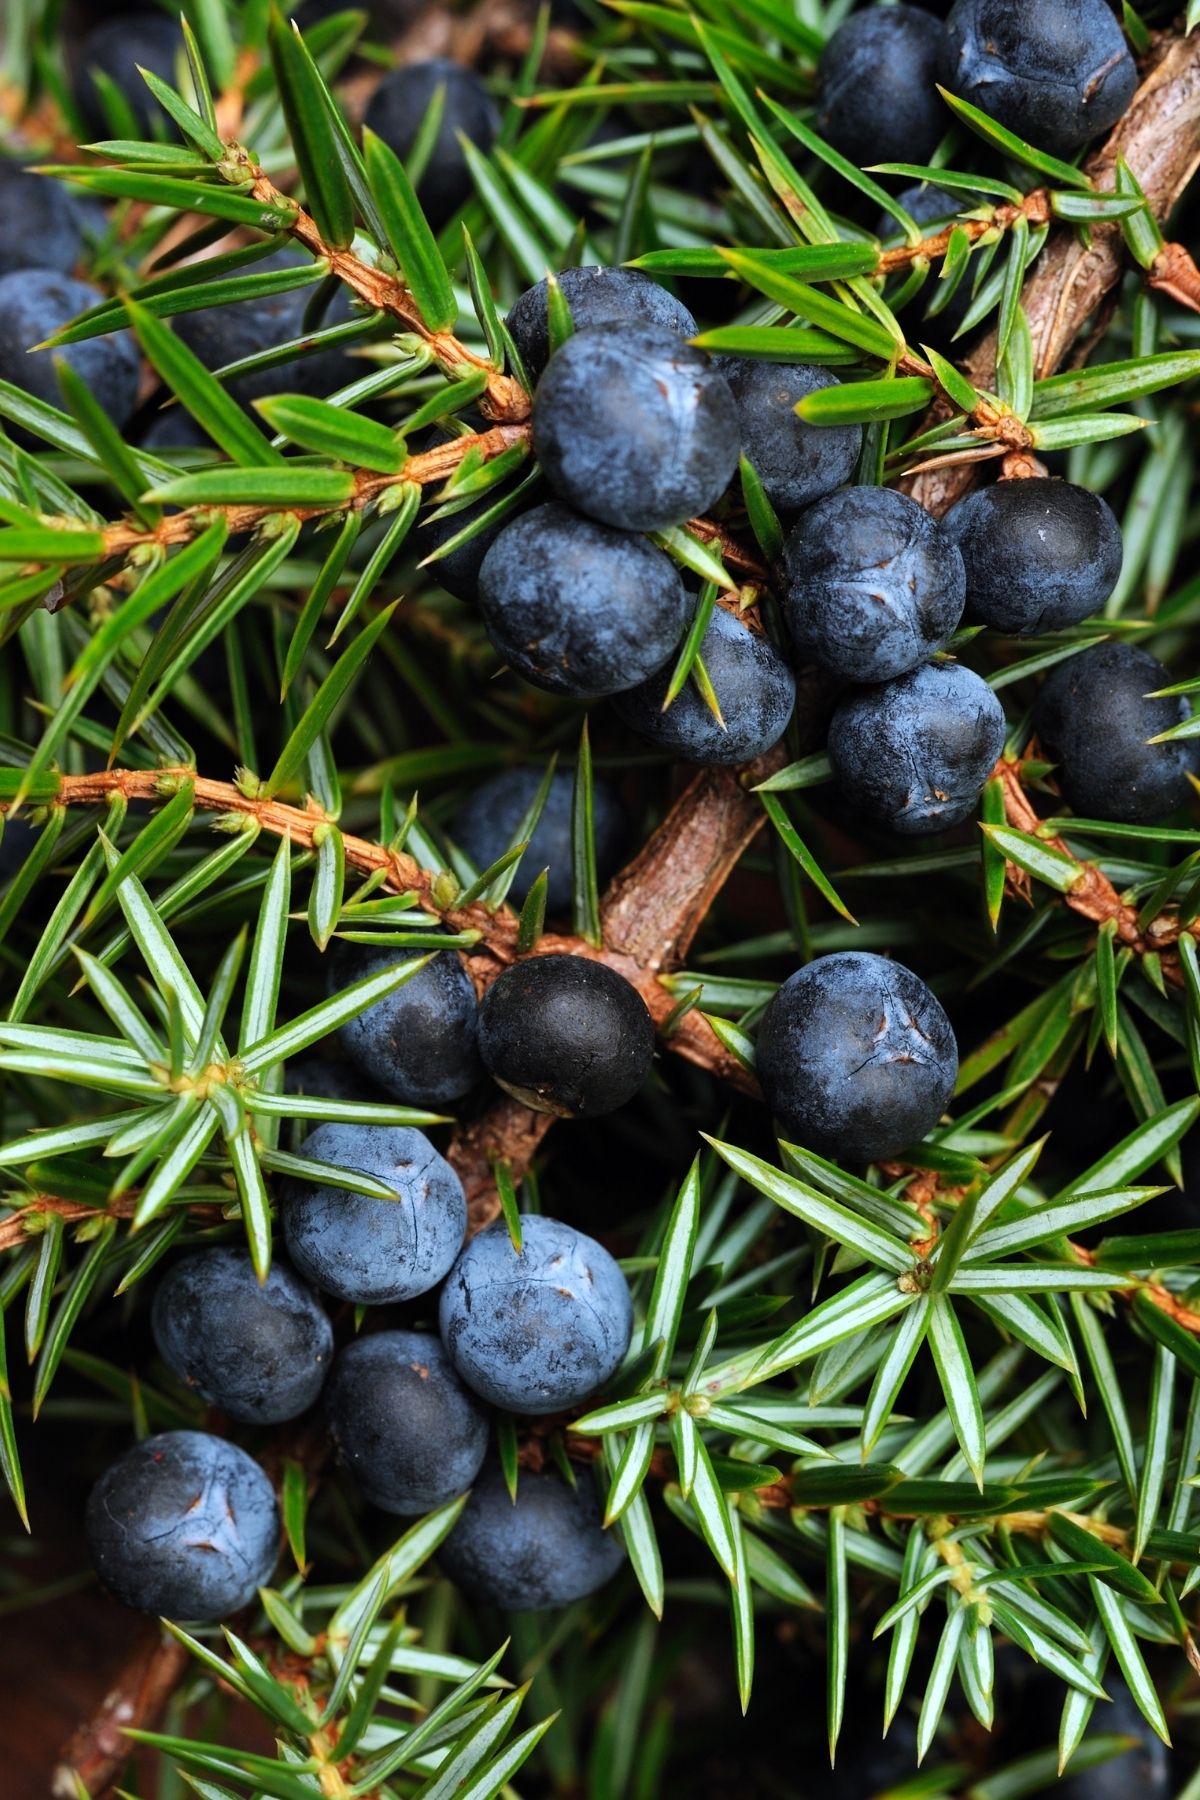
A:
1159	138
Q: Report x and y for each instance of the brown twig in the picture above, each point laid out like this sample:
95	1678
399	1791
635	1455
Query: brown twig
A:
95	1754
15	1229
1035	207
1159	138
503	399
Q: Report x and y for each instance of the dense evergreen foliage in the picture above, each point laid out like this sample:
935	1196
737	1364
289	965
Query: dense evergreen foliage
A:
546	555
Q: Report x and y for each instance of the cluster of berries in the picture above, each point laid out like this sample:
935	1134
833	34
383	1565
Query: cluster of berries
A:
637	432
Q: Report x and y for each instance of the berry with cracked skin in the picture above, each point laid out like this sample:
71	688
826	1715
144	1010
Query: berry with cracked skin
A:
874	585
797	463
259	1351
35	303
418	1043
403	1423
914	753
566	1035
184	1526
488	821
877	98
634	427
1094	717
1056	72
1039	554
577	607
40	224
548	1548
595	295
856	1057
367	1250
397	112
536	1329
753	684
117	49
225	334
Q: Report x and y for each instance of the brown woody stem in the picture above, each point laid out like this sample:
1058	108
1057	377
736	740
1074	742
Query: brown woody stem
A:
94	1756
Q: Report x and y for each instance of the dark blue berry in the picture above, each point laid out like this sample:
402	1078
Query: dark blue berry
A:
547	1548
488	822
403	1423
914	753
18	839
40	223
539	1329
752	682
566	1035
877	98
117	49
874	585
398	108
35	303
258	1350
418	1042
856	1057
173	428
595	295
225	334
797	463
1094	717
184	1525
328	1078
578	608
1039	555
924	203
635	427
458	570
1056	72
367	1250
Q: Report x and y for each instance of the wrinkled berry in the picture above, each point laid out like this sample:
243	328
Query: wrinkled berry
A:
874	585
403	1423
536	1329
397	111
578	608
595	295
418	1042
1094	717
634	427
258	1350
753	684
547	1548
1056	72
488	822
1039	555
877	98
566	1035
367	1250
797	463
914	753
856	1057
184	1525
